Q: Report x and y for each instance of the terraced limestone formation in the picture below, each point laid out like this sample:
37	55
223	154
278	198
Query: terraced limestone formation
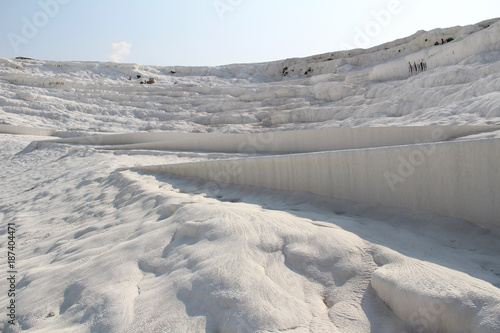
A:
330	193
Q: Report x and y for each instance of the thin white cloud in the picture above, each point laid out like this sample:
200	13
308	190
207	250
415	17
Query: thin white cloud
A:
120	50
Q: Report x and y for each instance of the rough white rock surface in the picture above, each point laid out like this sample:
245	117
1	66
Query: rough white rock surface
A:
104	244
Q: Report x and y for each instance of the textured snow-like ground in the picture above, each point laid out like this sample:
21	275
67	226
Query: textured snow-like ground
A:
104	247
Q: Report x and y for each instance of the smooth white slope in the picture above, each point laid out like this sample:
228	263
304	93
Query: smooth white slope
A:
24	130
282	142
458	179
452	53
439	300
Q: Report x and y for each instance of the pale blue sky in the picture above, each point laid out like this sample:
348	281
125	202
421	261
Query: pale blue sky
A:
216	32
